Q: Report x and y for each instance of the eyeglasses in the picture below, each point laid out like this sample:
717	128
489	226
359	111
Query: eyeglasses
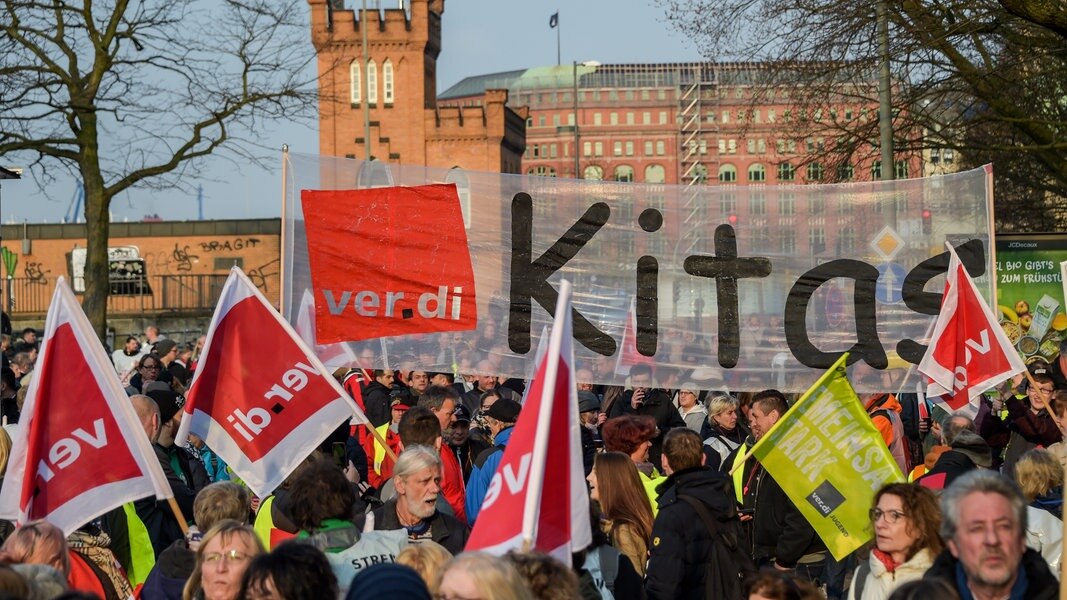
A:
228	556
891	516
1043	391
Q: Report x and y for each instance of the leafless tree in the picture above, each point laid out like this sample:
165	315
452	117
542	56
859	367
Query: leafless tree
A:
122	94
985	78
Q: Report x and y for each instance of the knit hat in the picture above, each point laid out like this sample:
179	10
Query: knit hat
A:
973	447
163	347
388	580
587	401
169	402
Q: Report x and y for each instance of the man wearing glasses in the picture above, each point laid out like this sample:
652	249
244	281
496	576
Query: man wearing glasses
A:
1029	423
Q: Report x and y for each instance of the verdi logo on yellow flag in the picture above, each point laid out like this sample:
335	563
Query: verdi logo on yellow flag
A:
830	460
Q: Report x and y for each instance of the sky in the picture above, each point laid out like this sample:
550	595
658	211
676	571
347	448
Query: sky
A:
478	37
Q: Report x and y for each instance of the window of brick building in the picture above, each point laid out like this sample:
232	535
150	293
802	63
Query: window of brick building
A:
387	81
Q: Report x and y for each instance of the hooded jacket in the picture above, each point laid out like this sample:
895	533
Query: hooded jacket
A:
681	545
376	403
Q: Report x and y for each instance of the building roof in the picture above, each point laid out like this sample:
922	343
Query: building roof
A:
633	75
10	174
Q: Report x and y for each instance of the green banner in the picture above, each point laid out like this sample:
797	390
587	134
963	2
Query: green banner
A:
830	460
10	259
1030	293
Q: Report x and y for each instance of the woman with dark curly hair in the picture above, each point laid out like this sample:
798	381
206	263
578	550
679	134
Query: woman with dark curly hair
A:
906	520
615	484
632	435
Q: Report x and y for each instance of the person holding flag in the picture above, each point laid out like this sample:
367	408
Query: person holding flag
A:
782	538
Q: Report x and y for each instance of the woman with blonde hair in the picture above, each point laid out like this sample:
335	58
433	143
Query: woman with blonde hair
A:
221	561
627	515
723	434
1040	477
483	576
426	558
906	520
37	543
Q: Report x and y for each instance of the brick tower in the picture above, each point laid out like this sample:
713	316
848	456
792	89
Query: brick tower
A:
407	126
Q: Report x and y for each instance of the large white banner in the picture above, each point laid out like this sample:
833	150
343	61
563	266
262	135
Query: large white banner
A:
735	287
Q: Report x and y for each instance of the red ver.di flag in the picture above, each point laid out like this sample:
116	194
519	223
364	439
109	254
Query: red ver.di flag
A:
546	443
388	261
80	449
260	397
969	351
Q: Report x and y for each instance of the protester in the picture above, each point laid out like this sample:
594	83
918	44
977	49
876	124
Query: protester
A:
945	433
479	436
969	452
214	504
590	418
616	486
905	519
442	401
37	543
389	581
690	407
125	358
1029	423
376	397
414	510
546	577
427	559
9	406
696	519
884	410
723	434
292	571
984	526
221	560
781	536
644	400
603	571
323	505
483	576
1040	477
501	418
632	435
93	566
771	585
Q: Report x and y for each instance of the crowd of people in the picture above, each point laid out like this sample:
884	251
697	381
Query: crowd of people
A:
678	509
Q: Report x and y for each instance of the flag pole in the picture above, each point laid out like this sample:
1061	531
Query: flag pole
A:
284	238
178	515
544	417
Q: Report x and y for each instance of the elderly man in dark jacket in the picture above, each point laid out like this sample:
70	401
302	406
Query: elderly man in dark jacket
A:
682	545
984	527
418	484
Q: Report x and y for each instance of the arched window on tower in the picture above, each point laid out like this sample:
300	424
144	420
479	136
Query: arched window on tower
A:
372	82
353	71
387	81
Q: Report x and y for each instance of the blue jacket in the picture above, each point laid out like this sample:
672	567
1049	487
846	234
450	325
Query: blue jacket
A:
485	466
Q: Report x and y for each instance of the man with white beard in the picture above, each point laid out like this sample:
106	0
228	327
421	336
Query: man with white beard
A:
417	478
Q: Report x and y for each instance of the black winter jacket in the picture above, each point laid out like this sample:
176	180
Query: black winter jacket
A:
376	403
1041	583
779	529
681	545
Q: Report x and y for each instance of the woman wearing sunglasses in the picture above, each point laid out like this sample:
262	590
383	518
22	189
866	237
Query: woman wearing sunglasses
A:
906	521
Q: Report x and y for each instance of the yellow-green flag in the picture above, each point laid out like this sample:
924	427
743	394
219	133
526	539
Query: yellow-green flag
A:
830	460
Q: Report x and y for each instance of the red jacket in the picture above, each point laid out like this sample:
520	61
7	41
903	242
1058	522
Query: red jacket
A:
452	483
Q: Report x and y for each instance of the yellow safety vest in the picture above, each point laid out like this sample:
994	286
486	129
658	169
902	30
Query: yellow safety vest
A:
651	483
739	475
264	521
142	557
379	449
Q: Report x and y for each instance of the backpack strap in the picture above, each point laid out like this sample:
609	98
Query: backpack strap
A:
609	566
861	578
713	529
